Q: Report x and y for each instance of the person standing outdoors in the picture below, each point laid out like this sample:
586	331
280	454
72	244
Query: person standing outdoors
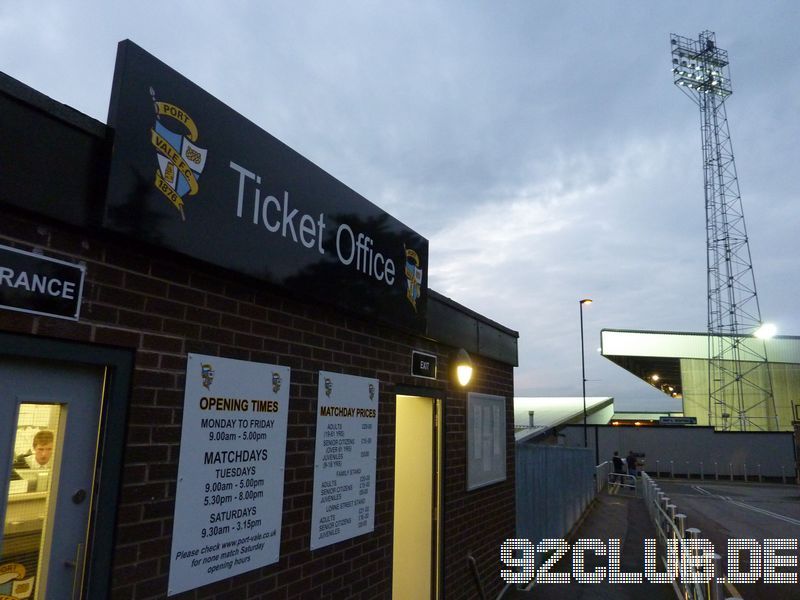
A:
631	460
618	466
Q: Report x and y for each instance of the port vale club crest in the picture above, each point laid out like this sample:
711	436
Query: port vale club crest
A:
413	277
180	160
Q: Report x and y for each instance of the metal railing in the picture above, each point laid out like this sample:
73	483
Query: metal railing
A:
673	535
618	482
601	472
719	471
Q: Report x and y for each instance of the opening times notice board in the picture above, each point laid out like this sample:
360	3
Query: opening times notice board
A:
229	497
343	506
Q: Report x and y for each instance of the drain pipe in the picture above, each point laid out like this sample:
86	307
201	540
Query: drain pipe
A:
474	568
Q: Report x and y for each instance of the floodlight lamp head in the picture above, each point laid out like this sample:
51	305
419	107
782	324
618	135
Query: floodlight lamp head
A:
766	331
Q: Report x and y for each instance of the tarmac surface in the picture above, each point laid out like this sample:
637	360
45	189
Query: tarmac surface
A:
725	511
720	510
611	517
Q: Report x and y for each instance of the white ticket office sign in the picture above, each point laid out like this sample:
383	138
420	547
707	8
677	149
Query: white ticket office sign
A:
229	498
345	457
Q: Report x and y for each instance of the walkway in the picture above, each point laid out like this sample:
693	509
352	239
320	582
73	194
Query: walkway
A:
612	517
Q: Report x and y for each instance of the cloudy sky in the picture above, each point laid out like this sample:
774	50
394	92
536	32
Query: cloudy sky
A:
540	146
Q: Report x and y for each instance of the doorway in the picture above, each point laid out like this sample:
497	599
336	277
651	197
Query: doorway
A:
51	414
417	498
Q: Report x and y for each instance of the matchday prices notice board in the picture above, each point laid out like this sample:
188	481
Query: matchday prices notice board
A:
229	498
344	459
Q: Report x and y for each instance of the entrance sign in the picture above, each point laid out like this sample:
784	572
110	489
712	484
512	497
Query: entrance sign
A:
344	459
190	174
677	420
40	285
229	498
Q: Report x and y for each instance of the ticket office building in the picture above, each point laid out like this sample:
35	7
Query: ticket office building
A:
97	326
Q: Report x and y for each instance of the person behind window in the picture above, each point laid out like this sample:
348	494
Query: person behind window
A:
42	455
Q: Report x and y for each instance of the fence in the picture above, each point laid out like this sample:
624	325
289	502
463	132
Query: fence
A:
624	482
601	475
672	536
696	451
554	486
739	471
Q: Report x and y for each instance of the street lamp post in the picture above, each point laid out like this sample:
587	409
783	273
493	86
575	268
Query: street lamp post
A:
583	373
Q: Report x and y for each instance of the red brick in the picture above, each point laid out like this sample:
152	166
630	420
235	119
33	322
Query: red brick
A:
217	335
251	311
168	271
186	295
221	304
16	322
60	328
139	320
201	315
162	343
117	337
166	307
235	323
181	328
156	379
207	283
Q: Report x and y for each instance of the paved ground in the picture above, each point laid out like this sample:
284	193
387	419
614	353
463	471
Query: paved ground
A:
721	510
724	511
611	517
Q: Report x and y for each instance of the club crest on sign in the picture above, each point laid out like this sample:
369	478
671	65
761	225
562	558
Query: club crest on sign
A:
180	159
207	373
276	383
13	584
413	277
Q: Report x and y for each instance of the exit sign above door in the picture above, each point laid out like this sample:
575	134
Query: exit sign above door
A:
423	365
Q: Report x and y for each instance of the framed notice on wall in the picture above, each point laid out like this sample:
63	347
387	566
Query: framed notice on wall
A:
486	440
345	457
229	499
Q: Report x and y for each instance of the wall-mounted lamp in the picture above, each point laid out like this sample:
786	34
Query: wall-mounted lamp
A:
463	367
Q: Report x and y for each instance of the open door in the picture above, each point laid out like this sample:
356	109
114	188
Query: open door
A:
417	499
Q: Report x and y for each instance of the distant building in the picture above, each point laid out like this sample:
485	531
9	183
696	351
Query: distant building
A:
538	418
677	364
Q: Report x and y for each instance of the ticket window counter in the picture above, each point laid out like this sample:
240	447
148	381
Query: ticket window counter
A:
49	423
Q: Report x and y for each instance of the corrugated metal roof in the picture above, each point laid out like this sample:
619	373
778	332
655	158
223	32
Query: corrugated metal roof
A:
550	412
620	342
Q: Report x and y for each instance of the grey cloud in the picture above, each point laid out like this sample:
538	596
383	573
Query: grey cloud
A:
447	112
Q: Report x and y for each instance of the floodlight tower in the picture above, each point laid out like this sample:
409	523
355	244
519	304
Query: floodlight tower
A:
740	393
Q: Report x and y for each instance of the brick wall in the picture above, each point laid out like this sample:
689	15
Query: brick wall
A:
165	306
